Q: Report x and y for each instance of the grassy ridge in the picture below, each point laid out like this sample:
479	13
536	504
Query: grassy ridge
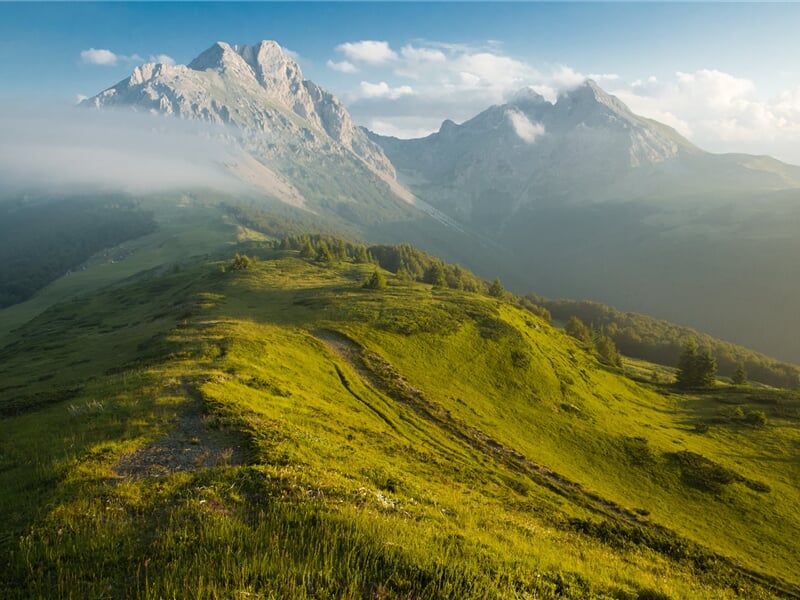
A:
322	440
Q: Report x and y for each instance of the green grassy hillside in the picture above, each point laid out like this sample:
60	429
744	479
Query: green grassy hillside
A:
281	431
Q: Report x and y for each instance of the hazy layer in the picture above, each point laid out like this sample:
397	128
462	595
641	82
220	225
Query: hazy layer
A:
69	147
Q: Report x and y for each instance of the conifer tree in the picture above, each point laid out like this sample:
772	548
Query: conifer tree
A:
686	376
706	370
696	370
376	282
739	376
241	262
324	254
435	275
361	255
576	328
307	250
497	290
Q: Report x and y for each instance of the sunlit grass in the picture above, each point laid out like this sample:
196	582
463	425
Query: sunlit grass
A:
348	491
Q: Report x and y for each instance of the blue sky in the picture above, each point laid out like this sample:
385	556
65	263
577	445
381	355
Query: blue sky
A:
725	75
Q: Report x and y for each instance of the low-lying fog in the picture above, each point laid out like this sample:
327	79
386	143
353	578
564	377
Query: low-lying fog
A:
70	148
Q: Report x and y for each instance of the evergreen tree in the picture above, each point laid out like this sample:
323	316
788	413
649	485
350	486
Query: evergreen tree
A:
307	250
435	275
376	282
576	328
607	350
340	249
497	290
361	255
240	262
324	254
696	370
739	376
706	370
687	365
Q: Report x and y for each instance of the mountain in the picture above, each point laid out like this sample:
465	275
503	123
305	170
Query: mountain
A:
595	202
272	428
303	147
586	148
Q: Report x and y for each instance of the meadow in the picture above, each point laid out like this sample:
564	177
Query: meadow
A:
280	431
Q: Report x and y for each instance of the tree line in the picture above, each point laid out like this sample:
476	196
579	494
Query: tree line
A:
662	342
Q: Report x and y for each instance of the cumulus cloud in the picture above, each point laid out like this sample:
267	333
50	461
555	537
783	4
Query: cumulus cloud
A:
527	131
384	90
73	148
412	127
107	58
719	112
163	59
99	56
431	81
342	66
368	51
417	54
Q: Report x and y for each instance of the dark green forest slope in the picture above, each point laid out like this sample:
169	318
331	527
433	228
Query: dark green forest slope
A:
41	241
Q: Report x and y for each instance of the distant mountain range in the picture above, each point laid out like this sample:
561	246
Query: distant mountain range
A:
578	198
586	148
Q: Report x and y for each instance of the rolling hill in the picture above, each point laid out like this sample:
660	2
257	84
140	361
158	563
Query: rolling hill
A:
271	428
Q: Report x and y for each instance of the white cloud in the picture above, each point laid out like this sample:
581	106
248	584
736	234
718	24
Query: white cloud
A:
295	56
602	78
720	112
107	58
422	54
163	59
99	56
368	51
80	98
384	90
527	131
450	81
342	66
411	127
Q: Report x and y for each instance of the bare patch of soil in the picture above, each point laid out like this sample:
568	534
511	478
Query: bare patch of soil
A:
191	446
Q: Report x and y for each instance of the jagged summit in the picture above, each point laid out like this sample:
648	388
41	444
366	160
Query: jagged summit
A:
527	97
589	97
261	90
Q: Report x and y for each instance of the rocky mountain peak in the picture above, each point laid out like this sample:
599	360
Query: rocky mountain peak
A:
218	56
258	88
274	70
525	98
588	96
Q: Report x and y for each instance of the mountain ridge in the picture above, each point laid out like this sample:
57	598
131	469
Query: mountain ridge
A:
287	123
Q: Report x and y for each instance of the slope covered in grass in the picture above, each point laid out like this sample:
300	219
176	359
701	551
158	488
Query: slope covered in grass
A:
281	431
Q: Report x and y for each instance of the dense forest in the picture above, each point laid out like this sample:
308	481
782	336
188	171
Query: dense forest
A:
41	241
662	342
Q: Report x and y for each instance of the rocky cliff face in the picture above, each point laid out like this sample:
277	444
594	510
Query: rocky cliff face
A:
286	120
